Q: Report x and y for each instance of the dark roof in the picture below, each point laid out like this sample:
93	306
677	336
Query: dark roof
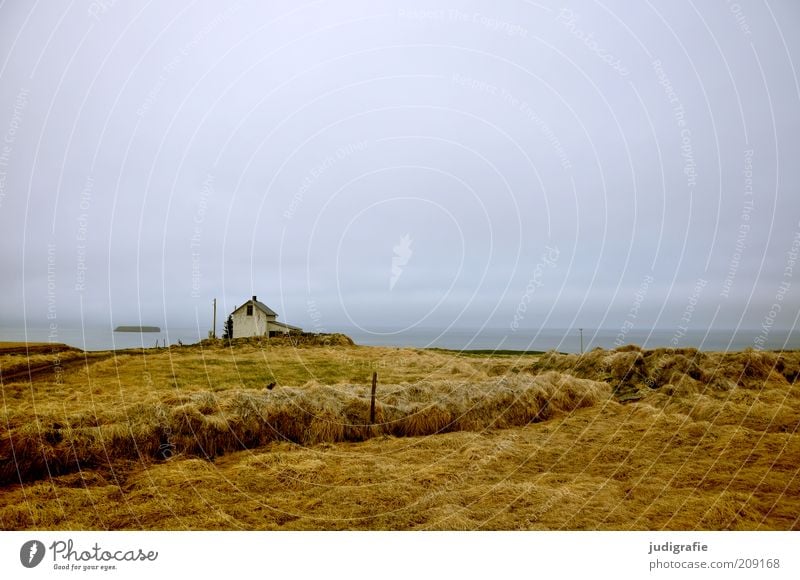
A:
267	310
263	307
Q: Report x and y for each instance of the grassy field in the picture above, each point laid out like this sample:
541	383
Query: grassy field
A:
276	435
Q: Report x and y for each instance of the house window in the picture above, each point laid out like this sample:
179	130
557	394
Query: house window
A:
249	310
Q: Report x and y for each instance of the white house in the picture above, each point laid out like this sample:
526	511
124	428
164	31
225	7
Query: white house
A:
254	318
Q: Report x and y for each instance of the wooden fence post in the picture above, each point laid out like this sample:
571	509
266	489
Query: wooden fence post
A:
372	400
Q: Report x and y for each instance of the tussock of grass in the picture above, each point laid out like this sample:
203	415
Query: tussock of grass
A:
209	425
631	369
614	466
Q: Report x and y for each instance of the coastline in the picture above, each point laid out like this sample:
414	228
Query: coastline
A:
457	339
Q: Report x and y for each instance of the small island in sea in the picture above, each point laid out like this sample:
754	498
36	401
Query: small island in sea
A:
137	329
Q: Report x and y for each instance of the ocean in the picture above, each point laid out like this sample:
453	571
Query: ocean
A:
563	340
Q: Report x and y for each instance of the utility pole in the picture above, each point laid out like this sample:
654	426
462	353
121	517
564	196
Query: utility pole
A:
581	339
214	327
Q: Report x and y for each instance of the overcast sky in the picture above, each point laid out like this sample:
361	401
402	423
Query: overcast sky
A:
392	164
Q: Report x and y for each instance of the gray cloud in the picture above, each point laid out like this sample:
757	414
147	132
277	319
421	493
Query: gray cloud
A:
172	154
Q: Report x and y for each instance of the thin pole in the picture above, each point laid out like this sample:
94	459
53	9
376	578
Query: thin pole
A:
214	328
581	339
372	400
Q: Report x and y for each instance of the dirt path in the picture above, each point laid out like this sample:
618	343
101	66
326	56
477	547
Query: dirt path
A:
19	367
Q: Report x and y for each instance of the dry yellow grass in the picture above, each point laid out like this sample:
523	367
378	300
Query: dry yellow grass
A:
20	358
207	424
7	345
709	441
